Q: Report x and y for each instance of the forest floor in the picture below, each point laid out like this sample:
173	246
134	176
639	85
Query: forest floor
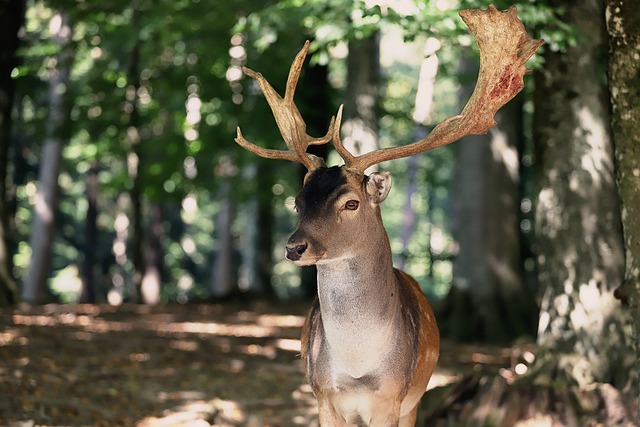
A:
226	364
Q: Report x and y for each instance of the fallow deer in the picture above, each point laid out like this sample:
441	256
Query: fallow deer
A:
370	341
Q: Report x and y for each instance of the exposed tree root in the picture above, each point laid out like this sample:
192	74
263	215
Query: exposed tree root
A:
486	400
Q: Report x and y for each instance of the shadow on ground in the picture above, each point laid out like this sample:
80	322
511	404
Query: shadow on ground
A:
196	365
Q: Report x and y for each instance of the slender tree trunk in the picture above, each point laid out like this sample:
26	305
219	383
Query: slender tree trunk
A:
265	241
35	285
623	23
135	164
11	18
315	102
583	331
257	256
223	284
88	294
151	286
360	122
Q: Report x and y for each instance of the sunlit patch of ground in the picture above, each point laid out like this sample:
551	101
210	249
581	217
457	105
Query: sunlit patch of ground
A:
203	365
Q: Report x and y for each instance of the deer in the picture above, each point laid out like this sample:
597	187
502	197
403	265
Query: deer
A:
370	342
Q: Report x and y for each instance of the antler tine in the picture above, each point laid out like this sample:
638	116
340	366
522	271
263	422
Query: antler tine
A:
337	140
266	152
289	120
504	48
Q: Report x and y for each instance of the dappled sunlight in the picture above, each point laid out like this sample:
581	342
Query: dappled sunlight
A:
200	365
597	161
250	325
182	365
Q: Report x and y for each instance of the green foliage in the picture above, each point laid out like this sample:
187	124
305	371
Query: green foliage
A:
183	100
543	20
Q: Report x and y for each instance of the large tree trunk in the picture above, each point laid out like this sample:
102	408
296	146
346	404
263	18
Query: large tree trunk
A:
583	329
42	232
11	18
623	23
489	301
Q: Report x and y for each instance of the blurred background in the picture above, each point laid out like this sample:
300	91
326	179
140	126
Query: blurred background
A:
122	182
139	103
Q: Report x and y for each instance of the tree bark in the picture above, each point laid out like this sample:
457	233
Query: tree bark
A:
623	24
35	286
583	331
489	300
585	372
11	18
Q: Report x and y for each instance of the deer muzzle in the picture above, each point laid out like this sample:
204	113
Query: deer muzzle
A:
295	251
296	247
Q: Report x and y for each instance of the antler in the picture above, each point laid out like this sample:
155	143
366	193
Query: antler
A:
504	48
289	121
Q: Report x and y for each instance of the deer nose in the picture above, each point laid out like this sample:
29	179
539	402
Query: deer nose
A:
295	250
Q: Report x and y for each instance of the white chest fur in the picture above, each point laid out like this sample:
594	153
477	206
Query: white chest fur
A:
358	321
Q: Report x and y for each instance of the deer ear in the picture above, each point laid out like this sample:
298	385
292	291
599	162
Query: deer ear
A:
378	185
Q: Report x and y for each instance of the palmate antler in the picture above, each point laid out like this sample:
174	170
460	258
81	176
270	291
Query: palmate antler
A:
289	120
504	48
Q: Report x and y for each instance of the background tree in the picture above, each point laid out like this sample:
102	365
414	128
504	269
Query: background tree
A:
623	24
360	123
488	300
42	235
11	18
583	363
583	330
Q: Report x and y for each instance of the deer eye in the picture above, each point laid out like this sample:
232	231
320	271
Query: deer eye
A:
352	205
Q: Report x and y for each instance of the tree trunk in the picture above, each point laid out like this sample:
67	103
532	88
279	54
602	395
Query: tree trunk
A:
489	301
151	285
623	23
583	330
315	102
11	18
423	109
223	284
135	164
266	218
88	294
35	286
257	256
584	371
360	122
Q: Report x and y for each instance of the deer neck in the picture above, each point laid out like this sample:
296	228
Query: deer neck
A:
357	285
359	304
